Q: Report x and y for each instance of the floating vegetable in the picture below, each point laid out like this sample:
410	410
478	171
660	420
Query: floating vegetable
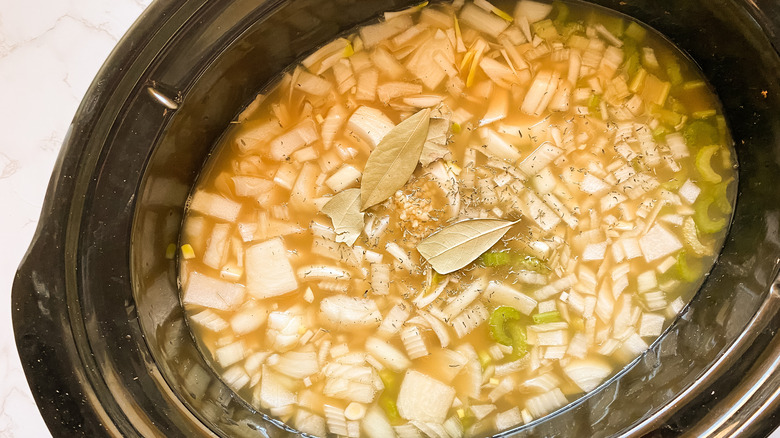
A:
506	329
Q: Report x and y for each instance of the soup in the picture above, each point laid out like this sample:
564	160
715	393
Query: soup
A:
455	220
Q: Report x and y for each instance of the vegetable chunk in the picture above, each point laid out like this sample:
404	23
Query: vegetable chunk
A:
658	242
211	292
423	398
269	272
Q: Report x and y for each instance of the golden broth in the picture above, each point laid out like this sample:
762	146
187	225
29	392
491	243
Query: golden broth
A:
618	186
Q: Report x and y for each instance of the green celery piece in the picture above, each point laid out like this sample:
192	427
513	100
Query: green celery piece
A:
569	29
701	216
688	272
547	317
660	132
704	114
499	320
676	105
519	341
391	410
720	193
700	133
496	258
545	29
632	64
524	262
561	11
668	117
615	25
390	380
673	184
673	72
594	105
703	164
635	31
530	263
506	328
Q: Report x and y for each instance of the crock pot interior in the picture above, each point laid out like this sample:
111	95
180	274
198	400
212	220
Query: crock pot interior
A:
223	55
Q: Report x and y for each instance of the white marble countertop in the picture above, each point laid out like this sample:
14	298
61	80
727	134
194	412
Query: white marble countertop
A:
49	52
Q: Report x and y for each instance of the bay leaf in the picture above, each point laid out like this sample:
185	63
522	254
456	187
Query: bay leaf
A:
394	159
344	210
459	244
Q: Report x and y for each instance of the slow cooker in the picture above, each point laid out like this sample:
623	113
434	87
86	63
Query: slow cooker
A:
97	319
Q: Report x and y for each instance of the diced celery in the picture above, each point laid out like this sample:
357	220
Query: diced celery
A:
561	11
704	221
530	263
547	317
506	328
496	258
659	133
499	321
704	114
390	379
721	201
456	128
577	41
391	410
615	25
545	29
630	47
688	271
667	117
676	105
720	122
638	165
635	32
522	262
519	343
673	72
594	104
693	84
569	29
631	56
700	133
673	184
631	66
704	164
690	234
638	81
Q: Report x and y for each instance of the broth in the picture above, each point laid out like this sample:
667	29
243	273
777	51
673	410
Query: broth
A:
573	187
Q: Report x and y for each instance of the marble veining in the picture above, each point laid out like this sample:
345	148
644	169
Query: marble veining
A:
50	50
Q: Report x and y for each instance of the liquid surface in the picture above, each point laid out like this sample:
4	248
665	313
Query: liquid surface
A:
567	173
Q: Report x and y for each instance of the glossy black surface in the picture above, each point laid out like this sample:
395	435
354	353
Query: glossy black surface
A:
96	312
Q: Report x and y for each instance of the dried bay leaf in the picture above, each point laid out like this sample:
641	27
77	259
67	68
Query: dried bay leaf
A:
459	244
344	210
394	159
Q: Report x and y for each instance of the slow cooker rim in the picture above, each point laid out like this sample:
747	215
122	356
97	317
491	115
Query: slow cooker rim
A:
43	290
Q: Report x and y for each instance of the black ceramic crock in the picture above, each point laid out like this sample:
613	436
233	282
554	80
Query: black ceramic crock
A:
96	315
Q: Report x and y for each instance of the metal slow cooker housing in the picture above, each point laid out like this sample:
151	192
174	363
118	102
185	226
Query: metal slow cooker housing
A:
97	318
